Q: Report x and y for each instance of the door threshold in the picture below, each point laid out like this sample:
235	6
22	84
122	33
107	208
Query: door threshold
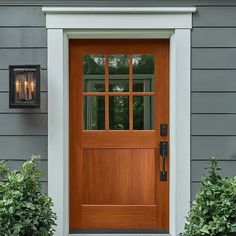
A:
123	232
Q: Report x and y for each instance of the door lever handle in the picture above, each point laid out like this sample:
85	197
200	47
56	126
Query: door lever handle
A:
163	154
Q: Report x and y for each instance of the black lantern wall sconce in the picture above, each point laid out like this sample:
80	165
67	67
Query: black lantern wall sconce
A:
24	86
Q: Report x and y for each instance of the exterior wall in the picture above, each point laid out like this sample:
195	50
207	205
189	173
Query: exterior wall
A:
213	130
213	104
23	41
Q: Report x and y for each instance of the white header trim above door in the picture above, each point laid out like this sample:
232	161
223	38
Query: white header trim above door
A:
64	23
118	10
116	18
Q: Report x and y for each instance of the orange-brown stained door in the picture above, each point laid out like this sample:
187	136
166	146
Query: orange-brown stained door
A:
119	97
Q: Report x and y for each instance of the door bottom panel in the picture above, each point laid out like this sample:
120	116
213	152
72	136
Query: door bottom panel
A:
119	216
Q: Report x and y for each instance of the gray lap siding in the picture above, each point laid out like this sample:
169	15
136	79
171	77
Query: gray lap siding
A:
23	40
213	82
213	89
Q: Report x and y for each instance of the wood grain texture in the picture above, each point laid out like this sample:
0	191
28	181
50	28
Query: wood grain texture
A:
119	176
145	139
115	174
75	127
94	216
162	117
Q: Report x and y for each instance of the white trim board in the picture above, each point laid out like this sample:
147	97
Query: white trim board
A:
64	23
116	18
118	10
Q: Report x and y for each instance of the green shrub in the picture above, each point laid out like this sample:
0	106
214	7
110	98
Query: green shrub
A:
24	210
214	210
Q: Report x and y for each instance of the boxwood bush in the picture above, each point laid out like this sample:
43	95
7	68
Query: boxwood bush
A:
214	210
24	210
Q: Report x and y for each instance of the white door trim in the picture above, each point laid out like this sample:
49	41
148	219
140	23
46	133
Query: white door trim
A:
64	23
119	10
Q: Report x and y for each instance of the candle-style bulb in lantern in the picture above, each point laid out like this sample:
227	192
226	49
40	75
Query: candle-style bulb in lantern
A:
32	86
17	88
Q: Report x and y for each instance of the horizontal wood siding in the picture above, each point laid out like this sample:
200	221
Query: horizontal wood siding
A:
23	124
213	79
23	40
216	102
213	37
213	85
215	16
22	16
214	124
23	37
110	3
15	56
213	58
222	147
195	187
22	147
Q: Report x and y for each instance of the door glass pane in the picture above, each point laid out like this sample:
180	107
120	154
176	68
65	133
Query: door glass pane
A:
118	73
118	112
143	112
94	112
143	72
94	73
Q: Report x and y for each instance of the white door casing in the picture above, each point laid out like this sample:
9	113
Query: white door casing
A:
64	23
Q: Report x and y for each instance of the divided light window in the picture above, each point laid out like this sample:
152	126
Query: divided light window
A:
118	91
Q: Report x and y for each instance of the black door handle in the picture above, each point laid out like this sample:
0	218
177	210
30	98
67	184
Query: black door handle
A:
163	154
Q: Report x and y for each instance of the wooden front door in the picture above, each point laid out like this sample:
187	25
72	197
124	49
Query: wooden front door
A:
119	97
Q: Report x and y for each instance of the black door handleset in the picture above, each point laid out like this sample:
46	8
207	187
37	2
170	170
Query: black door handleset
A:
163	154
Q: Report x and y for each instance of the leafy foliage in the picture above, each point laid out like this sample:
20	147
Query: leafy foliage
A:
24	210
214	209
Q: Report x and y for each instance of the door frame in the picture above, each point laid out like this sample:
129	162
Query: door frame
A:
64	23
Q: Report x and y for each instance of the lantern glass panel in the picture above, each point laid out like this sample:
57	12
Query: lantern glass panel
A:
25	86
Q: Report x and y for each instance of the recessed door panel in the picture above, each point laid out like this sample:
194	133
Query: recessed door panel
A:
119	176
113	216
